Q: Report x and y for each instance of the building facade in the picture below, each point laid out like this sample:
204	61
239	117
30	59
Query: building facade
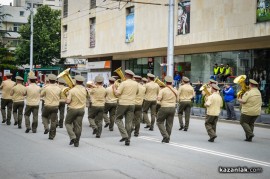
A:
235	32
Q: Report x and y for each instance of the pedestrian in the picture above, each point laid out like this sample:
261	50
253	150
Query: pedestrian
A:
62	103
32	103
51	96
251	103
198	93
150	101
168	98
96	110
186	93
110	105
138	106
6	100
126	93
17	93
213	104
229	98
76	101
177	79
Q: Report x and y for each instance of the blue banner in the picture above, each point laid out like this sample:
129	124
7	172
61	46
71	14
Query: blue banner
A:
130	28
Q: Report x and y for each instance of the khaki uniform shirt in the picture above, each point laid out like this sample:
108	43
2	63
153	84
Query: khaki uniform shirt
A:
140	96
253	102
19	92
62	96
128	90
110	97
168	98
78	96
214	104
32	94
186	92
152	90
98	95
51	95
6	87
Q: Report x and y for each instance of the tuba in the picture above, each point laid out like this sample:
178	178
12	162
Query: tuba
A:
121	75
240	80
66	76
204	88
159	82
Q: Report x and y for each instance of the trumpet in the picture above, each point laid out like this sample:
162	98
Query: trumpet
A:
66	76
159	82
241	81
204	88
121	75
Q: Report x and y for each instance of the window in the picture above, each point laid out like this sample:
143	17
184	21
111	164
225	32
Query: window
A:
16	27
64	28
21	13
93	4
130	10
64	41
65	8
92	22
129	25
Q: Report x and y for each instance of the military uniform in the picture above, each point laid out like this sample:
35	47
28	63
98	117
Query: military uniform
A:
18	93
150	101
75	112
51	96
62	103
127	92
251	109
213	105
186	93
95	111
110	106
6	100
167	97
32	106
138	109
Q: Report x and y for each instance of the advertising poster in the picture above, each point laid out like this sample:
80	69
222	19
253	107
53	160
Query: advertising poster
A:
106	75
183	17
130	28
263	10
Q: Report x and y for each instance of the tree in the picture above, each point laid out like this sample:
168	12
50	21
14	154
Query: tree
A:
46	38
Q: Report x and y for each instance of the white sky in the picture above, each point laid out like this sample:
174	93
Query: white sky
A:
5	2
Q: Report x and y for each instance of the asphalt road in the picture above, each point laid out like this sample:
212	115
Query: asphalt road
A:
188	155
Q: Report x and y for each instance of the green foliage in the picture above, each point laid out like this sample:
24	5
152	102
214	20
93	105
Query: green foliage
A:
267	110
46	38
7	60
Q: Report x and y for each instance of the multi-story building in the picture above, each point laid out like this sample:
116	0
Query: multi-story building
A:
206	32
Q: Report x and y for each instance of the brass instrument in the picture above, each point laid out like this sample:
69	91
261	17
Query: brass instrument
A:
159	82
204	88
121	75
66	76
240	80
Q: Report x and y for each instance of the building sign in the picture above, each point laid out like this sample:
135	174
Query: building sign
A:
183	17
263	10
98	65
130	28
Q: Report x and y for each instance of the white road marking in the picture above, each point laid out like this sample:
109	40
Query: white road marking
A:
221	154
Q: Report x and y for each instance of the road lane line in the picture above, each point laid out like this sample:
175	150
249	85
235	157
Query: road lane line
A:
221	154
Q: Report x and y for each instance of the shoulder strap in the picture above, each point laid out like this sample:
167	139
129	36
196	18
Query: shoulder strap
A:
173	91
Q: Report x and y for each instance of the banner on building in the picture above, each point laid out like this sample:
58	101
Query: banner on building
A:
263	10
183	17
130	28
105	74
98	65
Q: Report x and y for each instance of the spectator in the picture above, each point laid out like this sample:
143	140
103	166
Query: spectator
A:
227	73
177	79
229	98
215	72
198	97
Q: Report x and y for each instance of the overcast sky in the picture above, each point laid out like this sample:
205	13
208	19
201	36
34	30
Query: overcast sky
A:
5	2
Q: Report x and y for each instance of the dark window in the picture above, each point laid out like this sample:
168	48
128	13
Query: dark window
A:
65	8
93	4
21	13
92	32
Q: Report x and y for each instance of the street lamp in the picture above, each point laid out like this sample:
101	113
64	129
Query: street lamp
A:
170	50
31	37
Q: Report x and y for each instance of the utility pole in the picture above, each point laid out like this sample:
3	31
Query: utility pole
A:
31	37
170	50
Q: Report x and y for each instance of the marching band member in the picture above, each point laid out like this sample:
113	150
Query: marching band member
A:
62	103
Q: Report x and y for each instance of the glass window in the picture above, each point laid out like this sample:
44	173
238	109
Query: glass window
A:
16	27
21	13
65	8
92	4
92	32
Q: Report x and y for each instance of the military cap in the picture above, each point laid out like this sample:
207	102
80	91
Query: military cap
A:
61	80
169	79
46	78
215	87
212	81
253	82
79	78
138	77
185	79
52	77
150	75
144	79
89	83
111	79
8	74
31	77
99	79
129	72
19	78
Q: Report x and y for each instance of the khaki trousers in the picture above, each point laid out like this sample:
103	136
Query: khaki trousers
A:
49	113
27	113
18	112
111	108
61	108
184	106
73	122
137	118
210	125
6	103
247	122
165	114
152	106
95	117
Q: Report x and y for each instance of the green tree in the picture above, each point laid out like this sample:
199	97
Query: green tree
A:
46	38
